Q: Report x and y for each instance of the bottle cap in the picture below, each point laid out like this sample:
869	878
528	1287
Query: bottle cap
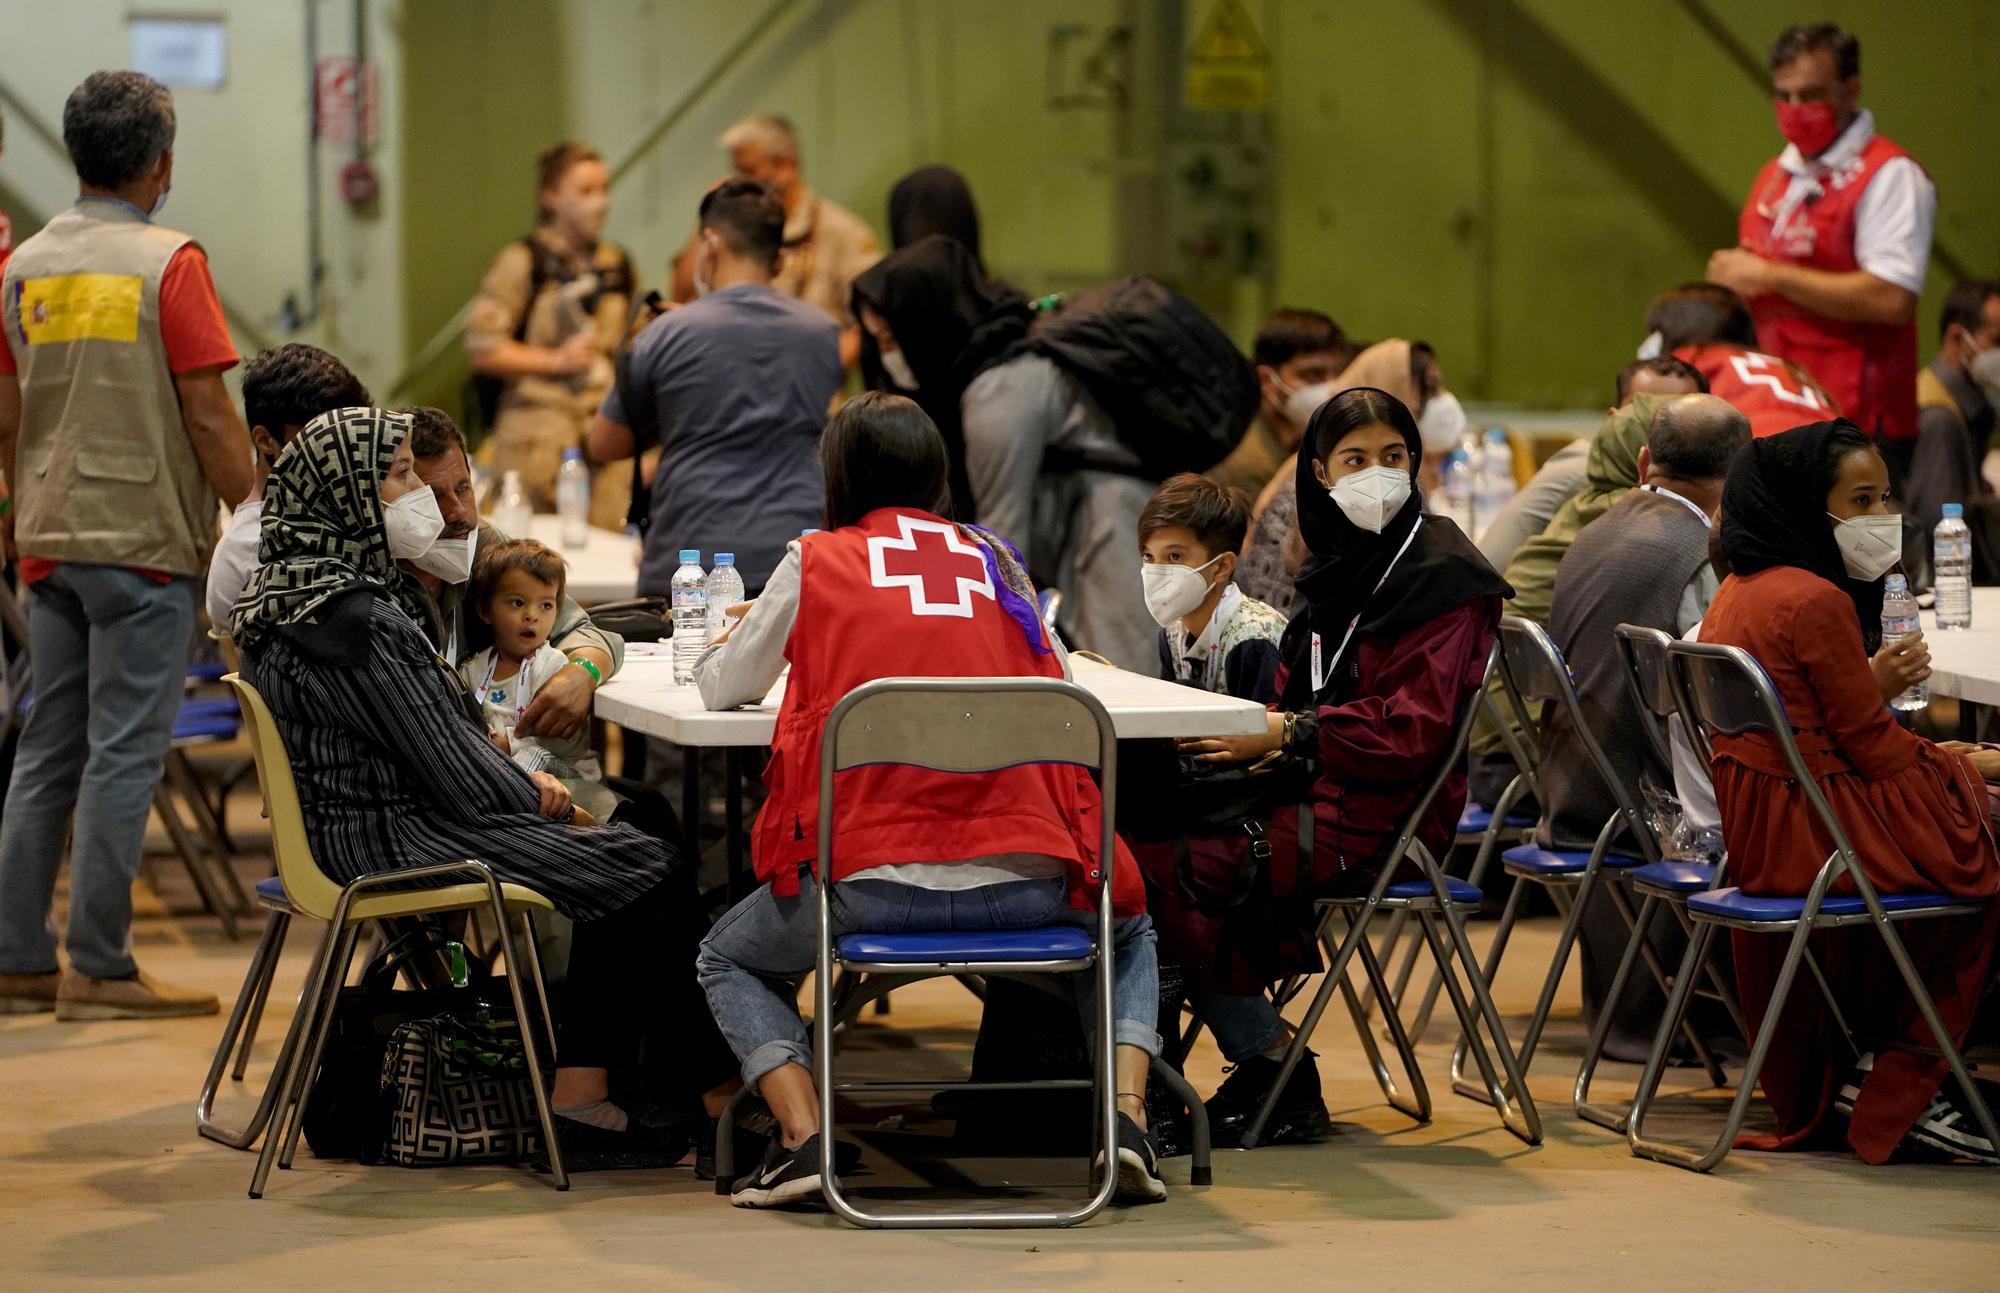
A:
572	454
1496	433
1954	511
690	556
1896	584
725	558
804	533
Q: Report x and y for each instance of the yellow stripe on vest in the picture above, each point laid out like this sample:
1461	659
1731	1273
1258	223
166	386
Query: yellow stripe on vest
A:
80	307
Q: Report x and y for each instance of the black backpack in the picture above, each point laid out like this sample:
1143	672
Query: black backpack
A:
482	393
1179	392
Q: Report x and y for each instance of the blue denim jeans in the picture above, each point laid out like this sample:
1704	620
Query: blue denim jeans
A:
751	963
109	658
1242	1026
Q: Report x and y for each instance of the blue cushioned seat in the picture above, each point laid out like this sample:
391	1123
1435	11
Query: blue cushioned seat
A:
1476	818
208	671
272	891
1462	893
1051	943
208	706
196	727
1675	877
1733	904
1537	860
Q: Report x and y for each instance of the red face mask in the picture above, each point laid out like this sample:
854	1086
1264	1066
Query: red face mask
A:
1810	127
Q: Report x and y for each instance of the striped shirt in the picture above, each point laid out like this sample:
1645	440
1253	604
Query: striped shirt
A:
393	772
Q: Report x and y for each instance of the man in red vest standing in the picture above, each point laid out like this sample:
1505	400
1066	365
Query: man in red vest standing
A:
1834	240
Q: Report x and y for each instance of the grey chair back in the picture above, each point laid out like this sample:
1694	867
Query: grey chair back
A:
1534	667
1723	689
1643	651
969	725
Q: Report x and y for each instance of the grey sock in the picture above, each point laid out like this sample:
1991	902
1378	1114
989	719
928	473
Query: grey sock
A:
598	1113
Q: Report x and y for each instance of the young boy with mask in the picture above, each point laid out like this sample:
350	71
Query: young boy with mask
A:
1212	635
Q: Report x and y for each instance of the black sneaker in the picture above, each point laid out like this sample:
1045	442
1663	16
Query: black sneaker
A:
785	1177
590	1148
1850	1090
754	1131
1947	1127
1299	1118
1138	1166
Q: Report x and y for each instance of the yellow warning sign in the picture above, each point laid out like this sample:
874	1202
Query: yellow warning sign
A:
1228	68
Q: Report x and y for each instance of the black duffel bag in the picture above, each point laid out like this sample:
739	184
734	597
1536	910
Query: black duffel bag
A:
344	1115
637	619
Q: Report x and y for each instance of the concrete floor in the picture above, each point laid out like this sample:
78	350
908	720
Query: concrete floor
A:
103	1179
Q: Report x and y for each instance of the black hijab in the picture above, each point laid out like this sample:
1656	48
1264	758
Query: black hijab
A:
1774	512
950	323
934	200
1342	578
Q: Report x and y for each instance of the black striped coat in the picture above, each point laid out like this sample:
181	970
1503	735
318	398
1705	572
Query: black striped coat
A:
392	772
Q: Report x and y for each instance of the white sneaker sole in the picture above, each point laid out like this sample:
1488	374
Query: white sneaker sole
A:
1135	1183
801	1190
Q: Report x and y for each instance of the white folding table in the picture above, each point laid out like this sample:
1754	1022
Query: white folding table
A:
603	568
644	699
1965	663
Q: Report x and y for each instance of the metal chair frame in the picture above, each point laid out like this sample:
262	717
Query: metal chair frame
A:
1643	652
1527	758
348	910
1724	689
1514	1102
968	726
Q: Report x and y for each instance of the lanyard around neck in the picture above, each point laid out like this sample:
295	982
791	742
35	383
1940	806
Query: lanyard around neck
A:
524	679
1320	677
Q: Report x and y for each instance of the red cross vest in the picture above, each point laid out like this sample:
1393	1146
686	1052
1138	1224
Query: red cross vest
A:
1775	394
908	594
1870	369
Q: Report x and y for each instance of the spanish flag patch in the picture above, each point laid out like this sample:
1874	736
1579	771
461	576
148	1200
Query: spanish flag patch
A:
80	307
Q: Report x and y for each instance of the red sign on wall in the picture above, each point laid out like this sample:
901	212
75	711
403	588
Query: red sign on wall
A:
343	96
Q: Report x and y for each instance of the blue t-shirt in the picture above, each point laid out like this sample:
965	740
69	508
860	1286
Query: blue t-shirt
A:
740	381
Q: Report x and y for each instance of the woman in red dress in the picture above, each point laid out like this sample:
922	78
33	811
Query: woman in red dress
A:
1805	598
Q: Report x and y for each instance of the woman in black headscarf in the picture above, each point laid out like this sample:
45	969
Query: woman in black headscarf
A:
1401	612
931	323
934	200
1808	536
394	771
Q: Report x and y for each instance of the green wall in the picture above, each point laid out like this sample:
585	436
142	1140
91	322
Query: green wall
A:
1511	180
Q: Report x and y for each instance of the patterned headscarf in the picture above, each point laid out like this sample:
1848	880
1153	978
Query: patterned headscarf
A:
322	531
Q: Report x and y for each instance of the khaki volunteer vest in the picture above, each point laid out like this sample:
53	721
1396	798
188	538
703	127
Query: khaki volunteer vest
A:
105	472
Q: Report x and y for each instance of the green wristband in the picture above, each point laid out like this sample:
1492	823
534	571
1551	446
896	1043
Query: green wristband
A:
585	665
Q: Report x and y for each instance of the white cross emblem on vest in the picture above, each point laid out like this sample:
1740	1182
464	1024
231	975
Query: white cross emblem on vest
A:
941	577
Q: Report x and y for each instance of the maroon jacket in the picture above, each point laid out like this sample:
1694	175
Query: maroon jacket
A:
1377	753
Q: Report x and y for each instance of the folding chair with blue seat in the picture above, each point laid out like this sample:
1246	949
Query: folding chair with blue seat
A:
1480	825
1433	898
302	889
1536	674
1722	689
1667	883
968	726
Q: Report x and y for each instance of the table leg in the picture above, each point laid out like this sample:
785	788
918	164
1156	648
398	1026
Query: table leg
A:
732	776
691	802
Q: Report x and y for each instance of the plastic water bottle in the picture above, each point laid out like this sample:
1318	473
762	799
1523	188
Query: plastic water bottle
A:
1495	483
513	514
725	589
573	499
1458	487
1899	620
1951	565
690	589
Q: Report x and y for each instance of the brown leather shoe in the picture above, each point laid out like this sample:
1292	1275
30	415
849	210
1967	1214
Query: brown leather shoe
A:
27	994
139	997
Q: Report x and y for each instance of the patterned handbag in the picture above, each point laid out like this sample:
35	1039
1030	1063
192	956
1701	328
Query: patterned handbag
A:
455	1090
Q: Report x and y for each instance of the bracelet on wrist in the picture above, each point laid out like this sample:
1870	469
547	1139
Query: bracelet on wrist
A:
583	663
